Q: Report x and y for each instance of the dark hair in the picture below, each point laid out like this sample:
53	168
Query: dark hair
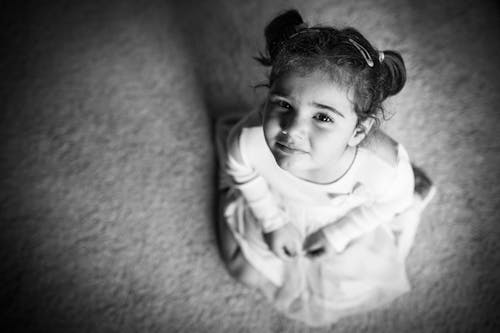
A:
292	46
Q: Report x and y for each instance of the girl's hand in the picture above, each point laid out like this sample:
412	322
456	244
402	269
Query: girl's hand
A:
317	245
285	242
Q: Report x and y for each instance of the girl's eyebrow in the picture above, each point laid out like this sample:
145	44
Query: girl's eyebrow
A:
278	94
327	107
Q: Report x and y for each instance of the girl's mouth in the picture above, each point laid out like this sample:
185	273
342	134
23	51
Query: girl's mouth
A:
289	149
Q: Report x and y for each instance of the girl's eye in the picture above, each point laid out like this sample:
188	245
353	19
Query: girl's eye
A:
283	104
323	118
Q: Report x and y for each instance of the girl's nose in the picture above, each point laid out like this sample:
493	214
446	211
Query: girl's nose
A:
295	126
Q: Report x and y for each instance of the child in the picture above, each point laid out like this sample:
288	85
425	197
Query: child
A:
318	209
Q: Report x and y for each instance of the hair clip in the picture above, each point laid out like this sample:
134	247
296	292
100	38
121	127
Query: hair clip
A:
381	56
363	52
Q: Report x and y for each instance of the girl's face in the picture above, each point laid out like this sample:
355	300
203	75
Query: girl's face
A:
310	126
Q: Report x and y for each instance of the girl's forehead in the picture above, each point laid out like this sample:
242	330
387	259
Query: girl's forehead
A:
315	83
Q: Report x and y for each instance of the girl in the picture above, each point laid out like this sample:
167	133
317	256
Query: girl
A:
318	208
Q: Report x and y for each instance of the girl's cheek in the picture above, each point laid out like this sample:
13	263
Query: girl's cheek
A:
268	129
271	123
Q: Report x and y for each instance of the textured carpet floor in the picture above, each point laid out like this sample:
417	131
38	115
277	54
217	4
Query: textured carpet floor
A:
107	164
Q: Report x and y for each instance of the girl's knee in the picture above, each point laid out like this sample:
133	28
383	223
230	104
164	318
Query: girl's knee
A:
226	241
233	263
236	265
241	270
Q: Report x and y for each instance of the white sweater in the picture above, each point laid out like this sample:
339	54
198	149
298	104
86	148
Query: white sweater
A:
378	186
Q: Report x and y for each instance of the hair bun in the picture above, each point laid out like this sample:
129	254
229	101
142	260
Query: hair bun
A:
393	73
279	29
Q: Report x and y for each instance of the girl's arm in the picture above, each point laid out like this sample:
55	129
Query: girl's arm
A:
253	187
397	197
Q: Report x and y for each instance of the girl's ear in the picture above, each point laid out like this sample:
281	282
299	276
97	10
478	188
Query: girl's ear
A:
361	131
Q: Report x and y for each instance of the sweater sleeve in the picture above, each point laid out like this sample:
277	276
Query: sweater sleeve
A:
360	220
251	184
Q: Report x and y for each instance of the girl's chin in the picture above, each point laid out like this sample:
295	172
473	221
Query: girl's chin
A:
289	164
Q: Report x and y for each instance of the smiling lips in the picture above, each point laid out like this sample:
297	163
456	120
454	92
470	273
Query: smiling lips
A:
289	149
